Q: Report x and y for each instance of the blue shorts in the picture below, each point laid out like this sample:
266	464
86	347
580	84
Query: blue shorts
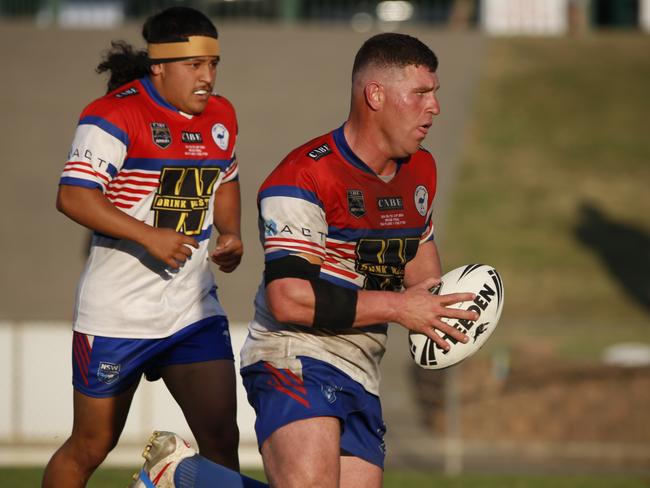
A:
107	366
280	397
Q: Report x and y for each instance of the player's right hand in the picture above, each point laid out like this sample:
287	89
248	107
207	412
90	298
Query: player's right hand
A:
171	247
422	312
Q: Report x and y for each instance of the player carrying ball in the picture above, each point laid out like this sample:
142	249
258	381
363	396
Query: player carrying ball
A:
346	224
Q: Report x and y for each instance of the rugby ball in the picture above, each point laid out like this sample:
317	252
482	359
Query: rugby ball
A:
486	284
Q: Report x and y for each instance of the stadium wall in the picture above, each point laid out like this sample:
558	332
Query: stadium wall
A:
36	407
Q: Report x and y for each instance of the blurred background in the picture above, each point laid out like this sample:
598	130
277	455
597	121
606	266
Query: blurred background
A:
543	151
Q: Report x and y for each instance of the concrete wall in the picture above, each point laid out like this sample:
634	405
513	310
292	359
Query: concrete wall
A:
528	17
36	404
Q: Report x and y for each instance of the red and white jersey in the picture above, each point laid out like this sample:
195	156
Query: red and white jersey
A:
323	200
162	167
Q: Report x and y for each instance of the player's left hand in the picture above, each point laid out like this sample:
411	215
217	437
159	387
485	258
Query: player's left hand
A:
228	252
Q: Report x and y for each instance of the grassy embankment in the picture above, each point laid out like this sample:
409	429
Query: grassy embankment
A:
552	190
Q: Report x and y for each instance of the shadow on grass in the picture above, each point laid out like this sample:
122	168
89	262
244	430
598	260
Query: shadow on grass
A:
623	249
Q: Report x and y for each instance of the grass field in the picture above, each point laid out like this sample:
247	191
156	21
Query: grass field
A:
552	189
114	478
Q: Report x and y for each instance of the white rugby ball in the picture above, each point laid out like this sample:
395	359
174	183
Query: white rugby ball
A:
486	284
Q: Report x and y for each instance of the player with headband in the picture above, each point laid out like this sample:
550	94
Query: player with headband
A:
151	169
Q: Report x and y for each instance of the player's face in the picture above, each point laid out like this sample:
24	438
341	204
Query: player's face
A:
188	84
411	103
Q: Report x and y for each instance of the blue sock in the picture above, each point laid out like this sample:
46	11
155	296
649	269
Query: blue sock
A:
198	472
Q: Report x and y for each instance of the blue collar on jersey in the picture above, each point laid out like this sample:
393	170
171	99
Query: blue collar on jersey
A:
347	152
155	96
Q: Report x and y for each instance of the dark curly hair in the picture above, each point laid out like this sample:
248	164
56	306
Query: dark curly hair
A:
125	63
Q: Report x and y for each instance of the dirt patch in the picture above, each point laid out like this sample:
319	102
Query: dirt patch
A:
538	399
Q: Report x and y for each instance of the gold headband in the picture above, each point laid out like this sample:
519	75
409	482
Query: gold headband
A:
194	47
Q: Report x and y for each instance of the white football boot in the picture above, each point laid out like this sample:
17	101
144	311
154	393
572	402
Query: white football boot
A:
162	454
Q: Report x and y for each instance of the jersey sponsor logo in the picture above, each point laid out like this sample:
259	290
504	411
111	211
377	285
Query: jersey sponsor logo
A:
390	203
382	261
220	135
270	228
183	198
127	93
420	197
320	152
191	137
108	372
356	204
304	231
161	135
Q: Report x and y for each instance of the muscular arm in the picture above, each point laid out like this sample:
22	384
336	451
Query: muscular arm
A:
90	208
227	220
292	300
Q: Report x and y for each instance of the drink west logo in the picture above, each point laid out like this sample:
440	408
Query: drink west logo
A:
382	261
183	198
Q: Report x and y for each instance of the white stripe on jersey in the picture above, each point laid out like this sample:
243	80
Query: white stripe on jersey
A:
293	224
92	151
131	186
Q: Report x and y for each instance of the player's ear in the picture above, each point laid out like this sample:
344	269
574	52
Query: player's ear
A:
374	94
157	69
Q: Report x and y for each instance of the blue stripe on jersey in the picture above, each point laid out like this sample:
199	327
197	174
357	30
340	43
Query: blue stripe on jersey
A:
107	127
111	170
277	255
338	281
154	164
68	180
350	235
205	234
154	95
349	155
292	192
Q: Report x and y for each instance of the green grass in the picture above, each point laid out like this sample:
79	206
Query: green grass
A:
103	478
119	478
559	145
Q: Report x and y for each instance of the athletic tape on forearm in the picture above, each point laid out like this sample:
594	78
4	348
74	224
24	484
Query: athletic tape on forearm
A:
336	306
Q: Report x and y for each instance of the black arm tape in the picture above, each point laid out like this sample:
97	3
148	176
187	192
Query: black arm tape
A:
336	306
290	267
